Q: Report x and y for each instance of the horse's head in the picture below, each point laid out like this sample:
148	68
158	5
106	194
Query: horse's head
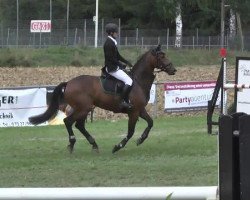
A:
162	62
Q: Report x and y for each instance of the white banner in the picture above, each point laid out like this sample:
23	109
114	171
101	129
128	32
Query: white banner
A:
243	95
152	94
185	96
16	106
40	26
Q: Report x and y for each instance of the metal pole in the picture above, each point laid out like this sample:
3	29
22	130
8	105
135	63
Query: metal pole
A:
137	33
167	37
224	108
119	25
50	16
102	31
197	37
96	22
17	22
85	32
222	23
67	22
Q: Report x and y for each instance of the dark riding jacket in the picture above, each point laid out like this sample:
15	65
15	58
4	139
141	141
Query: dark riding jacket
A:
112	56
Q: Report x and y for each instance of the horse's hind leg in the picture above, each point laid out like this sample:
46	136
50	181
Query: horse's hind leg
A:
80	125
68	121
133	117
144	115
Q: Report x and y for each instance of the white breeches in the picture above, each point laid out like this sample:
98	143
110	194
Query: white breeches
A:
121	75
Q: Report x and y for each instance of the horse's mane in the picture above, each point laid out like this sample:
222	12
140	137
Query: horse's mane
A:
140	60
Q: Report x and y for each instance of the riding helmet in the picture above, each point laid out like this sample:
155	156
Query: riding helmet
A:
111	28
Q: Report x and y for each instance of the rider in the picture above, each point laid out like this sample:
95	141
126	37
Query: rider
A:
114	65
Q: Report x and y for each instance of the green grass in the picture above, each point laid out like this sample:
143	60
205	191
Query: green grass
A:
178	152
86	56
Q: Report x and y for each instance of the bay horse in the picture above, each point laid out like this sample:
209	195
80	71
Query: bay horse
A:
84	92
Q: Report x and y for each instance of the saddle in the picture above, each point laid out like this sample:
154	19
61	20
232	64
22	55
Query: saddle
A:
110	84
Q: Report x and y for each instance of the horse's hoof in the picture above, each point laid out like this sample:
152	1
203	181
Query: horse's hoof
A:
115	149
96	150
70	148
139	141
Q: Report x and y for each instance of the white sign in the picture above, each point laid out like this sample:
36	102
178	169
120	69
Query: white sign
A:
152	94
243	95
40	26
185	96
16	106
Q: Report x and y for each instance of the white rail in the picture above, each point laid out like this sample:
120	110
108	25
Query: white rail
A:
238	86
110	193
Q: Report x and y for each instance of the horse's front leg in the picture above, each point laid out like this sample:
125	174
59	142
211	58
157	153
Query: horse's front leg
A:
133	117
144	115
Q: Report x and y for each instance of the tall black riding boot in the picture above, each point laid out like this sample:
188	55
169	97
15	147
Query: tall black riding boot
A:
125	97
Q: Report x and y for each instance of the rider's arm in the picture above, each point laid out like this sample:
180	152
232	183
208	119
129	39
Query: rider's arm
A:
124	60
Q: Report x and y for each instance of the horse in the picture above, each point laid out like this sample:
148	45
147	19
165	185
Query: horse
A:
85	92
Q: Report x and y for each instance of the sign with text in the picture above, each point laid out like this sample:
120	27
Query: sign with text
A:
243	77
16	106
188	96
40	26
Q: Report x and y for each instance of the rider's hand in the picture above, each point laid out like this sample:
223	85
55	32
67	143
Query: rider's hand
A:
129	64
122	67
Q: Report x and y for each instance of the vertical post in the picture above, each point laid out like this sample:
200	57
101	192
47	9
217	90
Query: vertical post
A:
8	36
197	37
226	161
17	22
75	37
34	39
50	16
85	32
119	35
102	31
209	41
136	39
142	42
244	142
96	23
2	34
193	42
224	91
40	39
222	23
68	22
167	37
126	41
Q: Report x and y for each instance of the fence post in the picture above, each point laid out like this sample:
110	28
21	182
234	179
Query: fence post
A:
136	39
8	36
226	157
209	41
75	37
84	33
244	142
167	37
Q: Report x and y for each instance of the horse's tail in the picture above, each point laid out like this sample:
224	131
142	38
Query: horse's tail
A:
53	107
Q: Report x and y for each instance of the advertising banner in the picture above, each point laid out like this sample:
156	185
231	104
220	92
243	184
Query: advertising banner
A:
152	94
243	95
188	96
16	106
40	26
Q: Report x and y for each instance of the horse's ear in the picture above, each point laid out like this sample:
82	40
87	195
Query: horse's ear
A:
158	48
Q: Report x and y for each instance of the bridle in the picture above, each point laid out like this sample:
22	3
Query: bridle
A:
158	66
